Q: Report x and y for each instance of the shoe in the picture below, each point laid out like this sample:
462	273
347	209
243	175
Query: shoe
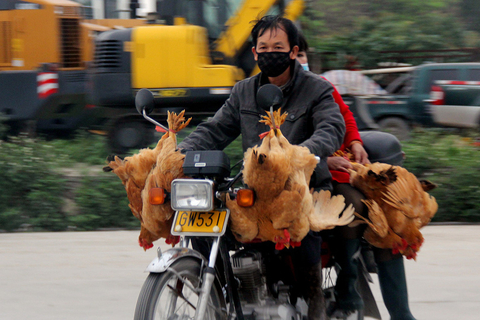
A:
335	313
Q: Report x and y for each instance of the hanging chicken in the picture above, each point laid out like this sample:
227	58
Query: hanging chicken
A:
135	172
398	206
284	210
157	218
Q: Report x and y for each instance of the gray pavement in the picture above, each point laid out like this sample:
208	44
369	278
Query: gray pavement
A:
98	275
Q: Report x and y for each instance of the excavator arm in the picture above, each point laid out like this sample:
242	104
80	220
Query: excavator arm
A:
233	42
239	26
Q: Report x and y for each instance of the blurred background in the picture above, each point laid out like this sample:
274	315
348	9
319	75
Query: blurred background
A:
69	72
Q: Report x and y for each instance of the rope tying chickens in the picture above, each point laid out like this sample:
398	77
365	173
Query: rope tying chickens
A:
262	135
160	129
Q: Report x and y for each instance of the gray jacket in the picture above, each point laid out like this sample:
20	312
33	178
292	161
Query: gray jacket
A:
314	119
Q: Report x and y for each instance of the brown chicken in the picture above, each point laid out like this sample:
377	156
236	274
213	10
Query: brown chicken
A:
284	210
158	218
398	206
243	221
378	232
248	224
133	172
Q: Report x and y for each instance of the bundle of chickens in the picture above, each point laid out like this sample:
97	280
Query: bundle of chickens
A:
285	210
147	177
398	206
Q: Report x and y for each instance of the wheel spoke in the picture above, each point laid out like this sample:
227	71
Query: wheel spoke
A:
180	295
176	295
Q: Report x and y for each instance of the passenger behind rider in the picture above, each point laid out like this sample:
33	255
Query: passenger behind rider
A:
314	121
391	271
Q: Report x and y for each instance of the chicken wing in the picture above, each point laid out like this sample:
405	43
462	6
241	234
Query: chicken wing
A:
328	210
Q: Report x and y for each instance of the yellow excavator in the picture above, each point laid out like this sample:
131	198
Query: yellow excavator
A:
190	55
42	71
44	49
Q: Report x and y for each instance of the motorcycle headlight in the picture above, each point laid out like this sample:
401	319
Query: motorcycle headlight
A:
192	195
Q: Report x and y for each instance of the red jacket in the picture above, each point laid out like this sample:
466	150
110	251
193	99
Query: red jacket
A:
351	134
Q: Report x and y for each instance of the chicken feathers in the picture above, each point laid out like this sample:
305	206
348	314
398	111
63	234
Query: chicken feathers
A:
284	210
157	218
135	173
327	211
398	206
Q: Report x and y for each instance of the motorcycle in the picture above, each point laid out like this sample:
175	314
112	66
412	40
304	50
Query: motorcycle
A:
212	276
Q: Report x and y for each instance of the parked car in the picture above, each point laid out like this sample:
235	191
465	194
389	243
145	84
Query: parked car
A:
408	102
455	103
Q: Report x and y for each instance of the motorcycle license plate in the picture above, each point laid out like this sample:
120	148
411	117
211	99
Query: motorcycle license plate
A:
191	223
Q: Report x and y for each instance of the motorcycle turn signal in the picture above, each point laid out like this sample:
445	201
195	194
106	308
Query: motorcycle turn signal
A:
157	196
245	197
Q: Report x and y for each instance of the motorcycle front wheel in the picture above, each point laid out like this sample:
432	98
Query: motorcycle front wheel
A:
173	294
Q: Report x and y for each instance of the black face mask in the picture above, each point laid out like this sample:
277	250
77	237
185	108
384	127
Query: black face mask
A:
273	64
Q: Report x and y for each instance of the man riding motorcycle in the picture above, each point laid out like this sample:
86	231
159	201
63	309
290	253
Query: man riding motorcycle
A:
314	121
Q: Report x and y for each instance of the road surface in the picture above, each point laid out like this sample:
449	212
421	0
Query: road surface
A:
98	275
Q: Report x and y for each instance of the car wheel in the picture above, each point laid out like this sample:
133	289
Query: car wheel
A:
128	135
396	126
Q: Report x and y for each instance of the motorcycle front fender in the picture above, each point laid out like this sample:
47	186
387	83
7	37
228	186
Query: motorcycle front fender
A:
167	258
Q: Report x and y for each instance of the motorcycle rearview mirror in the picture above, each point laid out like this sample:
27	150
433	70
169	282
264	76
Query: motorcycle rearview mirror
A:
145	105
269	96
144	101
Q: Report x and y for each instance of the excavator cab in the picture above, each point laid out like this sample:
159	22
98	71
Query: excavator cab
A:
210	14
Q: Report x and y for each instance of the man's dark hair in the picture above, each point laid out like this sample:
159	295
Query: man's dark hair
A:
273	23
302	43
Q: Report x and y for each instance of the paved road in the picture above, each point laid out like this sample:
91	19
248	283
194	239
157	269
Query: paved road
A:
98	275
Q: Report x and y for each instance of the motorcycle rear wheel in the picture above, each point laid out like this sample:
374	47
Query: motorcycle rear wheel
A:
165	296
